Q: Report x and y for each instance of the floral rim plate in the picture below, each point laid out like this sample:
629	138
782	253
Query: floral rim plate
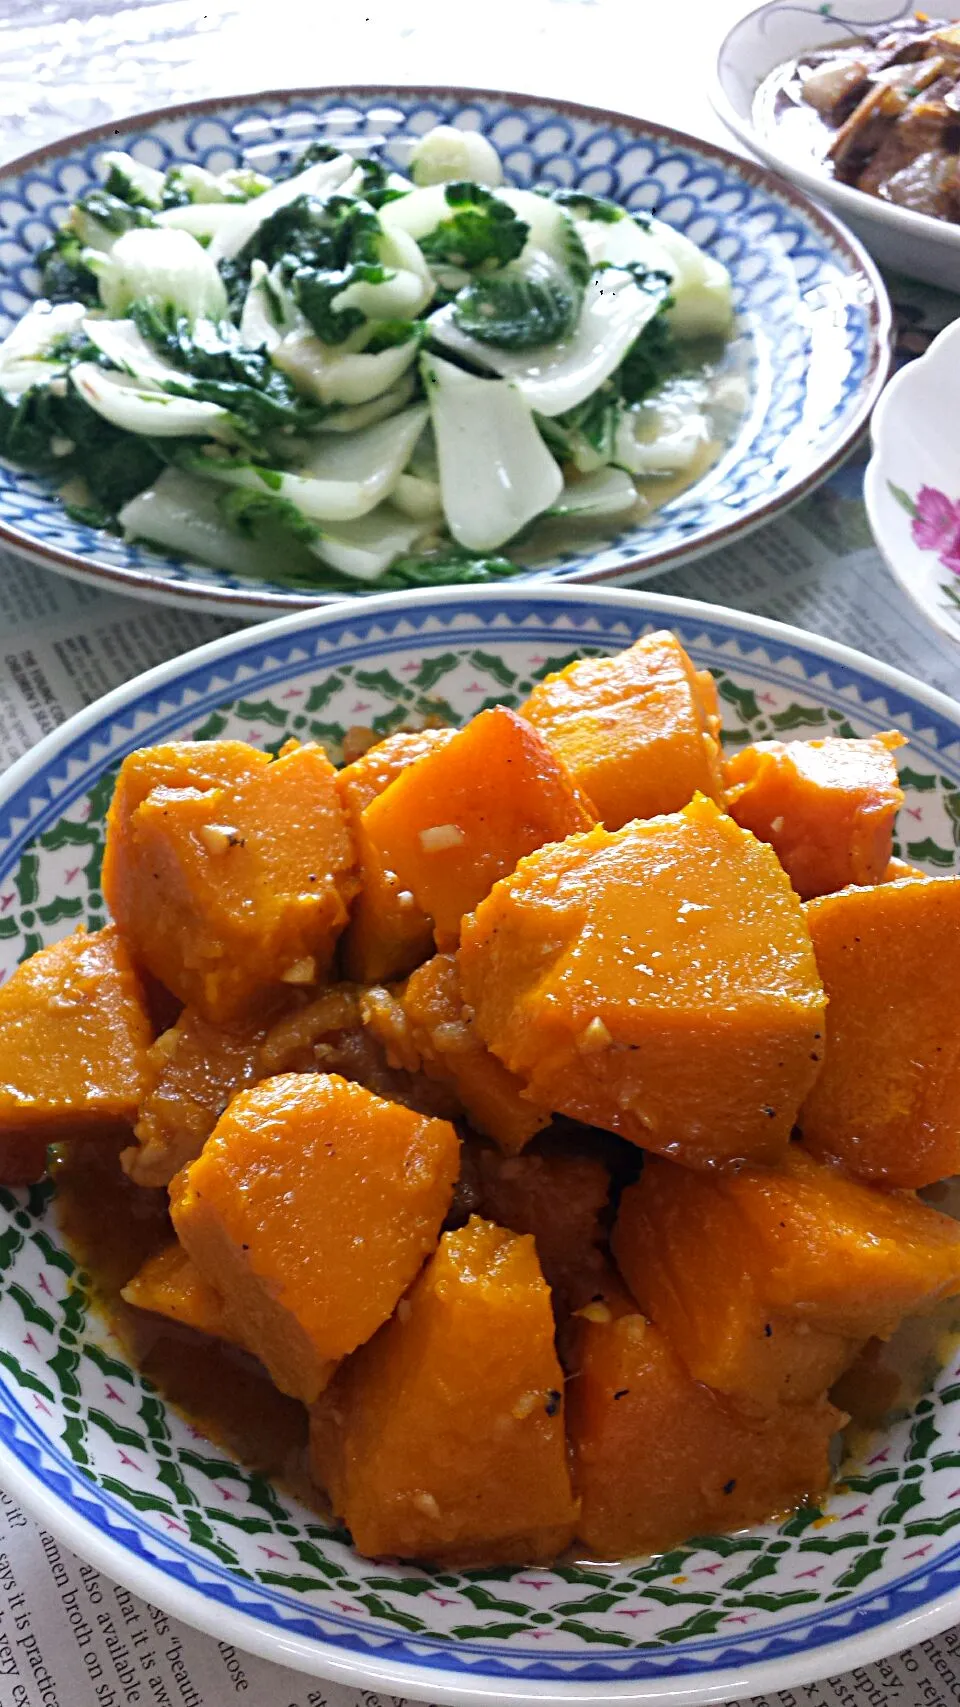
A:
814	316
912	483
911	243
91	1449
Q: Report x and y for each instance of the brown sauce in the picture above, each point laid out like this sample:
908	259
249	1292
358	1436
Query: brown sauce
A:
111	1226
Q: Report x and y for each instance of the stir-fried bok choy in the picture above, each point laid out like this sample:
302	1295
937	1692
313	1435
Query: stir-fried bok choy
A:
352	377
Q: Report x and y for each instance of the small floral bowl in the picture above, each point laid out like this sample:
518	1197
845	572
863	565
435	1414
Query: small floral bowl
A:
912	483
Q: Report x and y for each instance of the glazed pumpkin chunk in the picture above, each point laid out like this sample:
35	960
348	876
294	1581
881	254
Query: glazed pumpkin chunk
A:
658	1457
463	814
888	1101
74	1036
431	1030
638	732
228	872
170	1285
658	981
388	934
443	1438
311	1209
826	807
767	1282
196	1067
561	1198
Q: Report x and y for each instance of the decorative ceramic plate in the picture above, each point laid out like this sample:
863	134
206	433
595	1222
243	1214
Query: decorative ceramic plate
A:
911	243
912	483
813	317
90	1447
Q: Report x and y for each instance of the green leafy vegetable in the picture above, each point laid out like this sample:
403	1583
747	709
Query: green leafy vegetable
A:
529	302
483	232
582	205
121	188
64	274
113	212
253	512
114	465
221	370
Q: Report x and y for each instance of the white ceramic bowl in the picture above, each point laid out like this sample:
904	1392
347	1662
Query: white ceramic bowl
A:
90	1447
911	243
912	483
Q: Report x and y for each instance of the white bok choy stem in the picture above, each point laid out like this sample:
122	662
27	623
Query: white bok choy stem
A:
334	374
163	267
607	492
418	497
365	548
181	514
496	473
319	180
128	403
556	377
345	479
25	358
124	345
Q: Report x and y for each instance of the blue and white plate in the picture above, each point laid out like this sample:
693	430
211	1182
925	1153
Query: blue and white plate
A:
813	315
91	1448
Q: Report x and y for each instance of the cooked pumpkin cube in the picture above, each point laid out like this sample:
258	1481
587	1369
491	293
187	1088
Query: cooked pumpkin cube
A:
888	1101
658	1457
228	872
767	1282
74	1035
169	1284
311	1209
196	1067
827	808
638	732
194	1070
898	871
388	934
658	981
443	1438
463	814
450	1049
561	1198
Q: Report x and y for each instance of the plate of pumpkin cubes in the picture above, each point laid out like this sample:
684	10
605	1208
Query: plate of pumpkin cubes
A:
548	1104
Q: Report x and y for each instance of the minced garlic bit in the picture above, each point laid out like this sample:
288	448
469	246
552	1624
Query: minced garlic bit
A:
594	1037
776	825
525	1405
441	836
595	1312
404	1310
301	972
426	1504
60	446
405	899
217	838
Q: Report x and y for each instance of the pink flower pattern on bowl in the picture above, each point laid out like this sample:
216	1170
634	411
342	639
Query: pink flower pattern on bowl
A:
935	526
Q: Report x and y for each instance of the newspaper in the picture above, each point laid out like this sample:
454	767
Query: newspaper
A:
69	1637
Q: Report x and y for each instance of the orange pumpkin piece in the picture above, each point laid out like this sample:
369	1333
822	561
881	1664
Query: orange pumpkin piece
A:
443	1438
658	1457
888	1101
462	815
196	1067
450	1049
768	1282
311	1209
228	872
74	1035
169	1284
898	871
658	981
561	1198
388	935
638	732
827	808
